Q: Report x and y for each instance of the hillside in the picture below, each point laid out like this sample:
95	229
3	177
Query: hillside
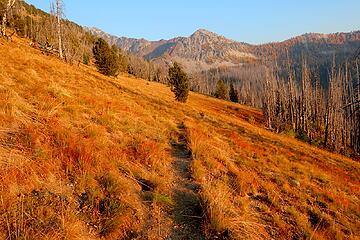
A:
85	156
28	21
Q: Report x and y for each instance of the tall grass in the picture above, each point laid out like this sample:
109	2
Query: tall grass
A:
76	149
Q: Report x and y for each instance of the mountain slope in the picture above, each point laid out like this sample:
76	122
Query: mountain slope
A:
317	48
85	156
204	50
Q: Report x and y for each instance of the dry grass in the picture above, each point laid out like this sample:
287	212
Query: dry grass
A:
77	149
73	138
259	185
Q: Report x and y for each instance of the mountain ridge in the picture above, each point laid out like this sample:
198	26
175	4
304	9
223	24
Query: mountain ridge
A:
203	49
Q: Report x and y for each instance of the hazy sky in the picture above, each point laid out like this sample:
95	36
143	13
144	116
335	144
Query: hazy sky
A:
252	21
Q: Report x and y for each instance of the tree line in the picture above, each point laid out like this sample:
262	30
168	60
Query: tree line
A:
246	81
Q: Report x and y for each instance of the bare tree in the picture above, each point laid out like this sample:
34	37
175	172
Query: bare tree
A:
59	15
9	5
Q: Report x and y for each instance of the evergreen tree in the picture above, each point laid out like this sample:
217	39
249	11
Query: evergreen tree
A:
233	94
221	90
106	58
179	82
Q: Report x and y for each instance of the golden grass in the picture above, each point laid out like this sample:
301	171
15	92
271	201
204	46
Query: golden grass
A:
282	188
75	148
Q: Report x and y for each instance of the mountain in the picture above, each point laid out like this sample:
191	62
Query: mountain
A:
316	47
204	50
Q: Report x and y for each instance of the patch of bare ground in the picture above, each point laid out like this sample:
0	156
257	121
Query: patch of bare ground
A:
187	212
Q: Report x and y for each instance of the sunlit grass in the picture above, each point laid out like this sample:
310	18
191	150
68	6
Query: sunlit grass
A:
75	147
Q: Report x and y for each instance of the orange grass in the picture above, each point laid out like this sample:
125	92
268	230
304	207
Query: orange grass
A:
75	147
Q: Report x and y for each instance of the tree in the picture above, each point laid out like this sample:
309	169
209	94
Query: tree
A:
179	82
221	90
233	94
59	14
9	5
106	58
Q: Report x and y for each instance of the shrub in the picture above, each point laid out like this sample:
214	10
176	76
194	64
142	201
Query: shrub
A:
290	133
86	59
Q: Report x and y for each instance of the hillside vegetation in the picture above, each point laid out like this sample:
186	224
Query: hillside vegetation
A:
84	156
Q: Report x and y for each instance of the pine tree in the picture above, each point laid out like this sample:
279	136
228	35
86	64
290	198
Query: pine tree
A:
233	94
179	82
106	58
221	90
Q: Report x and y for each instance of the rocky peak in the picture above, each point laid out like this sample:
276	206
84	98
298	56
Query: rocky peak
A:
203	32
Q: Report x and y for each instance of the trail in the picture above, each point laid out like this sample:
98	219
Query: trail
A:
187	211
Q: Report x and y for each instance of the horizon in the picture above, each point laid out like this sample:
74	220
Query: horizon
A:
291	37
284	21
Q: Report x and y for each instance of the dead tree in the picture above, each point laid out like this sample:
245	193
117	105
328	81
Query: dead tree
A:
9	5
59	14
318	114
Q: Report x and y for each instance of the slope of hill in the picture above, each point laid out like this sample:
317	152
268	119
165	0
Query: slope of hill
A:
85	156
28	21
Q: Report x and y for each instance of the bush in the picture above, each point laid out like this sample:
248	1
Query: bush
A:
221	90
86	59
106	58
179	82
290	133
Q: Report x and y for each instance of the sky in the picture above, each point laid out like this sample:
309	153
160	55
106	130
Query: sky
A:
251	21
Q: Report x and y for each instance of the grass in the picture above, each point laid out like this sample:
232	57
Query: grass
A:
282	188
76	149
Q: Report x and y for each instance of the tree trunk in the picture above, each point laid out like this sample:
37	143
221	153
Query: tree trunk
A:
58	15
9	5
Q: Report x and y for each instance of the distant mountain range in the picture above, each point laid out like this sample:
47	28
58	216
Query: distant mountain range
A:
204	50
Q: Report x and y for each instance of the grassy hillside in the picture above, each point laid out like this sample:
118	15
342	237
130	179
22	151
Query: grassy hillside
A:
84	156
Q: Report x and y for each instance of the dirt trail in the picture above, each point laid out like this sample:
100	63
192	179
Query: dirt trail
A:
187	212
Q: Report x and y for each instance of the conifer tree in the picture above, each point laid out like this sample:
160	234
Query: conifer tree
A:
106	58
221	91
179	82
233	94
